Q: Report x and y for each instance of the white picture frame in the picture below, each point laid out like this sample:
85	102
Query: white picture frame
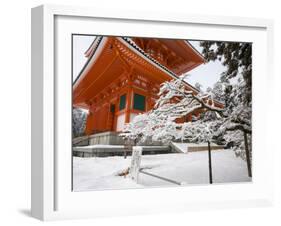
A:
52	197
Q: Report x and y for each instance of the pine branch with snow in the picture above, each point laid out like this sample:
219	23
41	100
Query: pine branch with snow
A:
174	102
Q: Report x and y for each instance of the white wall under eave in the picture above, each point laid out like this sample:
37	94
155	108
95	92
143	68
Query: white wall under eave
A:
120	122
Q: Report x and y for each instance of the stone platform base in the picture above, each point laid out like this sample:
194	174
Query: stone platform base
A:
204	147
106	138
115	150
111	144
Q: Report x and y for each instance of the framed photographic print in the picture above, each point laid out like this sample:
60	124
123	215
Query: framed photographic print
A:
145	113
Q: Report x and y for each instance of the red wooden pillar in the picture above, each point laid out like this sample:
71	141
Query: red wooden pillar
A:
148	104
129	98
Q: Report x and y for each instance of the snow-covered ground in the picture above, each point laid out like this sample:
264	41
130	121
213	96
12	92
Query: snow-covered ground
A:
191	168
184	147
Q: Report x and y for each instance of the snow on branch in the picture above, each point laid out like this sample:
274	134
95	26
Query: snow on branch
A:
176	89
160	124
167	120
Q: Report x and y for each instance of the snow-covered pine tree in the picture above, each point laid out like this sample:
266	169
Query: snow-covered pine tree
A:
235	88
218	91
174	102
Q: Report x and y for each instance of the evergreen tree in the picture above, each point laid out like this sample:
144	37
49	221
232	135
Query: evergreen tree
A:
234	89
236	56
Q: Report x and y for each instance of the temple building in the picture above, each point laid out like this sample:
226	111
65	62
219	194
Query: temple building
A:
122	78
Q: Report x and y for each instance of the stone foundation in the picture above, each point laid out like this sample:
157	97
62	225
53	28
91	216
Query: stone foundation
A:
103	151
106	138
205	148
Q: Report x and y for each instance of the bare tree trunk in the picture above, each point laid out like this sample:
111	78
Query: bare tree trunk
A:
247	155
210	163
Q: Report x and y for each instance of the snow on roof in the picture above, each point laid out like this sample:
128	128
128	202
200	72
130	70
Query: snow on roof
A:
131	43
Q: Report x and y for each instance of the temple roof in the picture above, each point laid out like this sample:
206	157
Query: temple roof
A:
96	51
90	52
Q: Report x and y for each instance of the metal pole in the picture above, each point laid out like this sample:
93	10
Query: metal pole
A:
247	155
210	163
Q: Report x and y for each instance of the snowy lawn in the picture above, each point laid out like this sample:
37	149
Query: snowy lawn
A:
192	168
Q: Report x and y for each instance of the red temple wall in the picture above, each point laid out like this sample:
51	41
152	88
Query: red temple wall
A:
97	120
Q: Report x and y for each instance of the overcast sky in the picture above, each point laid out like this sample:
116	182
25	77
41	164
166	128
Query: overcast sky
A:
206	74
80	44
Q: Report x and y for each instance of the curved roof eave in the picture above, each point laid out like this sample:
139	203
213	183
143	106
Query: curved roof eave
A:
96	42
195	50
132	45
